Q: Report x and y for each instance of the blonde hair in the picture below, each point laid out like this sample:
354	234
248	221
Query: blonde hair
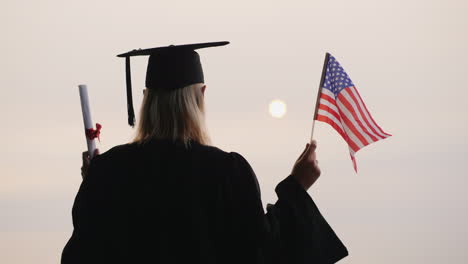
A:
177	114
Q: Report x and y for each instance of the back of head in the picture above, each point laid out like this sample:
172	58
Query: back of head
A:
173	114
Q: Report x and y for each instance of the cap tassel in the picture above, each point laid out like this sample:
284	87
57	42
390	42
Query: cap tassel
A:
131	113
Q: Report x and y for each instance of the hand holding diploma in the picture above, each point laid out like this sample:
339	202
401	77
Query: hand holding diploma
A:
86	161
90	132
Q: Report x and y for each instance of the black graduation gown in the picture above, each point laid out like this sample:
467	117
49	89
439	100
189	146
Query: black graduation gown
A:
163	203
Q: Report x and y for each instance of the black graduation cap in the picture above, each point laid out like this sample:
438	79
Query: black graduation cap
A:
169	68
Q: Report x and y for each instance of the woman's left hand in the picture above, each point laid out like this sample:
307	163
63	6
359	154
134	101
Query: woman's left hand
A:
86	162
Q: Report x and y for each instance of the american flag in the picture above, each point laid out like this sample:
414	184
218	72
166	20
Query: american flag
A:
341	106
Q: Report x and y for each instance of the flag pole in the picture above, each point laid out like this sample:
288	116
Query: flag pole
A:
322	80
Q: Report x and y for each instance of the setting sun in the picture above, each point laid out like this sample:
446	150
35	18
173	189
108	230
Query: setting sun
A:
277	108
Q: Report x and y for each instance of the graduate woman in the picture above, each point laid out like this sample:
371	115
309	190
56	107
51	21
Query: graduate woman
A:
170	197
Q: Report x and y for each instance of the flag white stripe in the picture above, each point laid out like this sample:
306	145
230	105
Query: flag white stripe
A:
352	137
367	114
358	114
329	93
332	106
332	117
346	112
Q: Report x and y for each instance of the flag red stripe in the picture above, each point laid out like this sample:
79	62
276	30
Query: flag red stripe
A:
350	124
331	101
352	110
354	162
352	137
328	98
330	110
330	121
351	143
369	113
358	106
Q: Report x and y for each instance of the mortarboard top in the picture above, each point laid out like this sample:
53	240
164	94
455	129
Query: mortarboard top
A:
169	68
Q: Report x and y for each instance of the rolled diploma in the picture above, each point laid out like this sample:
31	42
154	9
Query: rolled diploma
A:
88	122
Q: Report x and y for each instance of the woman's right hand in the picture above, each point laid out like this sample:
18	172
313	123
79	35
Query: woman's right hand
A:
86	162
306	170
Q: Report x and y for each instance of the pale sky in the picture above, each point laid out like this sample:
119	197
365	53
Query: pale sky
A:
407	58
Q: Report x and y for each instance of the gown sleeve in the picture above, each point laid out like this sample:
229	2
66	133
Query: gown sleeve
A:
94	238
292	231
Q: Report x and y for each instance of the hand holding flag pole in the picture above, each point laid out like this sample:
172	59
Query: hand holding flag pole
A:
340	105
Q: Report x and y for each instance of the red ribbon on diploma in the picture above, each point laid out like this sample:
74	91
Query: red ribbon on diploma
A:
92	133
